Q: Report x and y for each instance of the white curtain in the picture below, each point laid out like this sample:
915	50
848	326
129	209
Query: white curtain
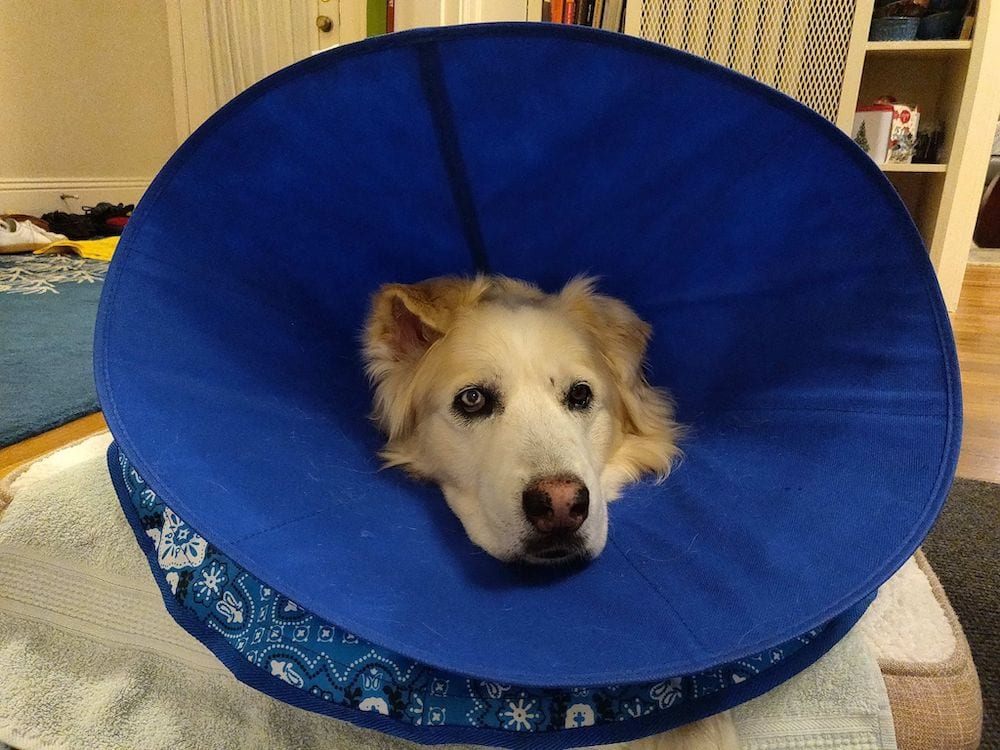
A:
220	47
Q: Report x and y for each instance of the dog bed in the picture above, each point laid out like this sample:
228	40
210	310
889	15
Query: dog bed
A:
90	657
796	318
925	660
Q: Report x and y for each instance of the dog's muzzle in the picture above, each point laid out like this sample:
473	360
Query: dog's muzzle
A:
556	508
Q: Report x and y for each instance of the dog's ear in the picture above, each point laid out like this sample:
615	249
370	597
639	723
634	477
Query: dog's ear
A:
404	322
620	334
649	442
407	318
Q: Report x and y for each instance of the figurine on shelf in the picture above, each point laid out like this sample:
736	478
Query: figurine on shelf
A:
903	133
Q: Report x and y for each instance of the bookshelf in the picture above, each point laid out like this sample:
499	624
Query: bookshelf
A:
952	83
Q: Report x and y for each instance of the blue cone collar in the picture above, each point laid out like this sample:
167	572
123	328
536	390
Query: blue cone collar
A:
273	644
797	322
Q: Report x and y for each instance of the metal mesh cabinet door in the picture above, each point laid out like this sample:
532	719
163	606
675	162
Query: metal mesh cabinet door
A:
797	46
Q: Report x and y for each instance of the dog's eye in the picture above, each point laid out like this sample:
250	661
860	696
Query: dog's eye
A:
579	396
474	401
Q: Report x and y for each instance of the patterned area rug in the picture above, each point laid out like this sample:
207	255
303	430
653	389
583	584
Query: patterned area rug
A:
48	306
964	547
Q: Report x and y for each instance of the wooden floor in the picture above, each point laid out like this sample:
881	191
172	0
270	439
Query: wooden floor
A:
28	450
977	332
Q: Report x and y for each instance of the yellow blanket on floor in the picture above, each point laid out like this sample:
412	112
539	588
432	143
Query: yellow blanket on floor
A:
101	249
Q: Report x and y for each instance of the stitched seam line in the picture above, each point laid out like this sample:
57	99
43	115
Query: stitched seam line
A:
659	592
432	81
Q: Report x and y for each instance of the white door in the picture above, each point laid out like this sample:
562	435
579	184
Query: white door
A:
220	47
339	22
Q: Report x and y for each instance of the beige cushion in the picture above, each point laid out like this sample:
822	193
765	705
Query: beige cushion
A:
925	661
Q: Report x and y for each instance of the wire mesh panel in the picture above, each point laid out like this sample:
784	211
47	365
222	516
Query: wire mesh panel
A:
796	46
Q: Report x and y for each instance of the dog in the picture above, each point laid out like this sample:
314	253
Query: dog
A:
531	411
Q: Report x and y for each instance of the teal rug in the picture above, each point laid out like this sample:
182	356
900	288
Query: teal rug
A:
48	306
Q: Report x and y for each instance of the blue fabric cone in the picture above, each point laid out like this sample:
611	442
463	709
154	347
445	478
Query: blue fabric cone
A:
796	317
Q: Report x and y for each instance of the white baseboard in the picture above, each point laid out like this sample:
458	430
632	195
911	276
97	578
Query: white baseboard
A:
39	195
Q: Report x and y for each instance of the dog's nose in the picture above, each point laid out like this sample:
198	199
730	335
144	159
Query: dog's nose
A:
556	504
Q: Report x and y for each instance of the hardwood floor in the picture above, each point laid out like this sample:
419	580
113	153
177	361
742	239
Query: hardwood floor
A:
977	332
28	450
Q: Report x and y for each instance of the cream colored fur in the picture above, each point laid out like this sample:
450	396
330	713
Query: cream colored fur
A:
425	342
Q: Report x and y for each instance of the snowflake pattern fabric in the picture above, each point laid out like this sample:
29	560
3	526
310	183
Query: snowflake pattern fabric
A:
292	645
43	274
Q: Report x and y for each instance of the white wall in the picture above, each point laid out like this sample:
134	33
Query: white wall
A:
411	14
87	101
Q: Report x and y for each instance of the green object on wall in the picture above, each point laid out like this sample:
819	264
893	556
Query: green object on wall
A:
376	17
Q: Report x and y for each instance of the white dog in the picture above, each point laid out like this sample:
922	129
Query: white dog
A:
529	410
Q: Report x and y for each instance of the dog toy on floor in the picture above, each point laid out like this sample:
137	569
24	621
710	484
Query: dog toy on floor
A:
795	321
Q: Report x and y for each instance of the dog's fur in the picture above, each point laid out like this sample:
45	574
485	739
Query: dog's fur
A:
426	343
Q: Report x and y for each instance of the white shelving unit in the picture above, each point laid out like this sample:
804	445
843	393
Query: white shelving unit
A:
819	53
955	83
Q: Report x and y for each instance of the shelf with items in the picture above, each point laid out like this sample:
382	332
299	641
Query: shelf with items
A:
933	84
929	76
952	83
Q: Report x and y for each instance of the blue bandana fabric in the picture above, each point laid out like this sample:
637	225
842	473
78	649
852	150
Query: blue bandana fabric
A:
289	643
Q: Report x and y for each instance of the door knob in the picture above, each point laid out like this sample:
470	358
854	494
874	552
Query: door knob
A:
324	23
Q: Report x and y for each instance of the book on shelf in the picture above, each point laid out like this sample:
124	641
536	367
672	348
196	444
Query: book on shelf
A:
558	8
598	11
598	14
614	15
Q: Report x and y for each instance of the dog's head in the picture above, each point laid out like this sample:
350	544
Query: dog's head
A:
529	410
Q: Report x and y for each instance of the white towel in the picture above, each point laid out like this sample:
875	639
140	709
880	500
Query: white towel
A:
839	702
91	659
